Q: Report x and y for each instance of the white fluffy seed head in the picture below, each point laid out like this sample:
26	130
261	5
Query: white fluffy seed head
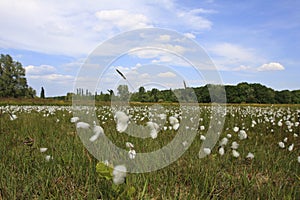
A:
207	151
234	145
119	174
250	155
235	153
281	145
221	151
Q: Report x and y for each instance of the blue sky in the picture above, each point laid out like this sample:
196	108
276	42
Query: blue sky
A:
253	41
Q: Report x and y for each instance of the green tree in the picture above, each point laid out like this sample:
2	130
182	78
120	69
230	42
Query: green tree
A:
123	92
42	93
12	79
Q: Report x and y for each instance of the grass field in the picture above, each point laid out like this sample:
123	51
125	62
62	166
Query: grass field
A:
69	172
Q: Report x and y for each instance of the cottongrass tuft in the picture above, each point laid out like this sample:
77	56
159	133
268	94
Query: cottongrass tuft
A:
281	145
82	125
42	150
119	174
250	155
235	153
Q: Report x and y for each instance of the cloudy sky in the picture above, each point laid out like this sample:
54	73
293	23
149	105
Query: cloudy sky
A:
253	41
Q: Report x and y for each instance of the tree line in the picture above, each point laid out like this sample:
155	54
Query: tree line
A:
241	93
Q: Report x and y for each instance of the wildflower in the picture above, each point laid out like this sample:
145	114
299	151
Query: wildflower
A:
221	151
298	159
42	150
74	119
242	135
119	174
291	147
202	137
281	144
236	129
279	123
250	155
98	131
229	135
82	125
132	154
234	145
285	139
207	151
235	153
122	121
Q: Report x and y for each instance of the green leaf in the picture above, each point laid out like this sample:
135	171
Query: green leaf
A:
104	171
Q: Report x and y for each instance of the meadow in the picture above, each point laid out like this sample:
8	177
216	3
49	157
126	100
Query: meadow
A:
42	156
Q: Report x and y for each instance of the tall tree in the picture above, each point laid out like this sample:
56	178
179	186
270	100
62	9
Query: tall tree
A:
42	93
123	92
12	79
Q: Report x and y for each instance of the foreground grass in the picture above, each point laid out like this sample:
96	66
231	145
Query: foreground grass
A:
274	173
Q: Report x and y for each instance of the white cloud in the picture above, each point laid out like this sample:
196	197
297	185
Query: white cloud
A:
189	35
233	52
75	28
166	75
272	66
42	69
121	19
54	78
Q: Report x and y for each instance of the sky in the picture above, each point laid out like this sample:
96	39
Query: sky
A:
237	41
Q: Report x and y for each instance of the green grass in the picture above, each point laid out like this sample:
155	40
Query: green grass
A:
274	173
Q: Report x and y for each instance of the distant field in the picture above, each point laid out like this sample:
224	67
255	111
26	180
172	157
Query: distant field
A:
66	170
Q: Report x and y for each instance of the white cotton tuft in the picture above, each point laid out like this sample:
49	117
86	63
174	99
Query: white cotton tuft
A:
242	135
42	150
74	119
224	141
122	121
207	151
129	145
98	131
202	128
176	126
229	135
285	139
221	151
119	174
250	155
184	144
281	145
13	117
234	145
174	122
235	153
48	158
132	154
82	125
202	137
236	129
298	159
291	147
154	129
